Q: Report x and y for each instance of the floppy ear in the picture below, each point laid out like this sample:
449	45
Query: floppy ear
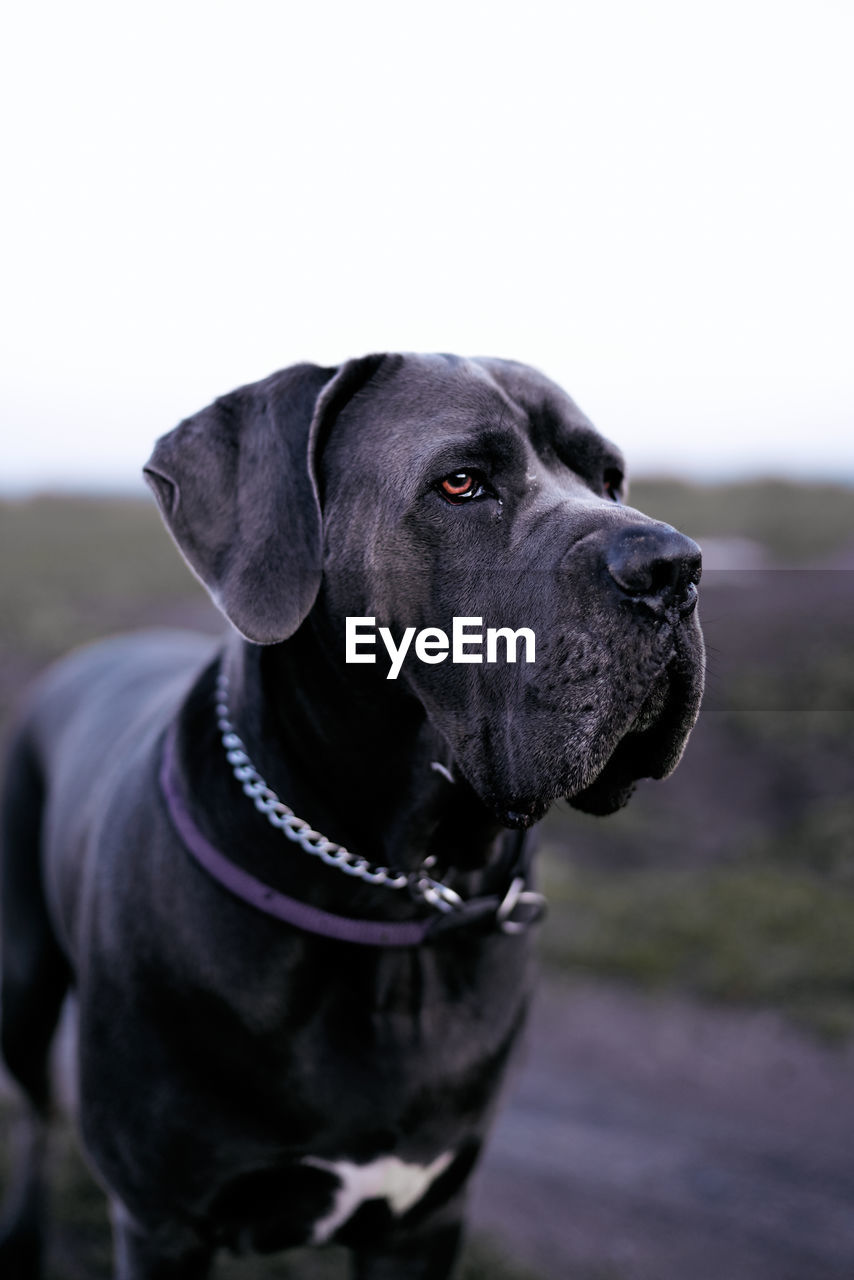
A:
236	487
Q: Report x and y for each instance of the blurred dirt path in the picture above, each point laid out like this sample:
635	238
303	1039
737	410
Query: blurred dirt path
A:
654	1139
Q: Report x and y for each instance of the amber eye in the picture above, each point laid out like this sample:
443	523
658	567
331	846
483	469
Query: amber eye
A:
458	485
461	486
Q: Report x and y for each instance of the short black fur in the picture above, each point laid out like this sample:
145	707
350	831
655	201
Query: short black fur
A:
222	1052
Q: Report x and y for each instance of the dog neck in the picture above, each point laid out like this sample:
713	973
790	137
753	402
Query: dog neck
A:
363	774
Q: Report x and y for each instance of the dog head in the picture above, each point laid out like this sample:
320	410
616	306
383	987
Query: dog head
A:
416	489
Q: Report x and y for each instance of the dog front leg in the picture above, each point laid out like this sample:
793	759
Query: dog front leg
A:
21	1227
426	1256
167	1254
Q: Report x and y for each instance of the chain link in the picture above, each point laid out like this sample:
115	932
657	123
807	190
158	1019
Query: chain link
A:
422	886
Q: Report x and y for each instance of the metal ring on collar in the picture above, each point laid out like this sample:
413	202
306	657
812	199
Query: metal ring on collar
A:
518	896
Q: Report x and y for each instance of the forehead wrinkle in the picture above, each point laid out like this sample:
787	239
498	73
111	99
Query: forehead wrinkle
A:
427	388
548	421
576	444
431	451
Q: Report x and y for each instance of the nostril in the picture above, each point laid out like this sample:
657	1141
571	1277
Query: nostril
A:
656	565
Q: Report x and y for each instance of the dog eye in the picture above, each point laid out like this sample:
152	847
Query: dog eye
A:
462	486
612	482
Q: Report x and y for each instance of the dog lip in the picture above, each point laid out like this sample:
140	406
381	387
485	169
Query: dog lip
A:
650	747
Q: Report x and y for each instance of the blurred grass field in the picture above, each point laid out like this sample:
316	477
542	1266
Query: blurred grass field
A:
732	882
793	522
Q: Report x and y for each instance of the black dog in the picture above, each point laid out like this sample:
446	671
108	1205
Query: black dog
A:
281	1041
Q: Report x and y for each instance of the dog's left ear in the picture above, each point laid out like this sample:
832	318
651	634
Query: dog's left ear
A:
236	487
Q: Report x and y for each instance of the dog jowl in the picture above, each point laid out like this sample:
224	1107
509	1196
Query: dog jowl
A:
294	896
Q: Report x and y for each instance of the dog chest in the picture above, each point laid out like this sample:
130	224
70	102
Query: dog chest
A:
314	1200
401	1184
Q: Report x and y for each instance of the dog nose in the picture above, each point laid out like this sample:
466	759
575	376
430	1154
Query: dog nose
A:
656	565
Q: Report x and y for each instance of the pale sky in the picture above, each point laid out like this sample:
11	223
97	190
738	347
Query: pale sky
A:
652	202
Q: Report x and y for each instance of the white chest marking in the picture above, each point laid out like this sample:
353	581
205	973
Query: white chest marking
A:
386	1178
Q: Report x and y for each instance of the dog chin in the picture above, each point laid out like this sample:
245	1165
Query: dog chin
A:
608	791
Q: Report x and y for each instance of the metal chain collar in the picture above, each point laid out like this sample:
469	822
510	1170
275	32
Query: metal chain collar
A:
422	887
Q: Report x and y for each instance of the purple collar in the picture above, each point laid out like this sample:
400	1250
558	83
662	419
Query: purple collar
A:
511	914
242	885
